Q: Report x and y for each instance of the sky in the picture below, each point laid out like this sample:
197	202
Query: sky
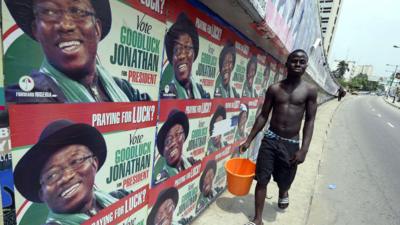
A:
366	33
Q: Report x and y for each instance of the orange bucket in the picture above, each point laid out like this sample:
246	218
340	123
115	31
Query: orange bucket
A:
240	174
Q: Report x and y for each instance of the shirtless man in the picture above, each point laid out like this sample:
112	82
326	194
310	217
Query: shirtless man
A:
279	153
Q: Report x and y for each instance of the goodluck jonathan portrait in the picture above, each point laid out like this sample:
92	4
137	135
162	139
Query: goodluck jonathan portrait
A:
251	70
227	59
162	213
59	171
207	192
170	140
242	120
216	142
182	48
68	33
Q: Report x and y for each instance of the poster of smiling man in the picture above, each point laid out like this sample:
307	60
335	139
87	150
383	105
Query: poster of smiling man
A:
262	73
192	45
173	201
91	164
181	138
64	51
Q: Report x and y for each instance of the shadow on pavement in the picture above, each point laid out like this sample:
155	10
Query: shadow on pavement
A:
245	205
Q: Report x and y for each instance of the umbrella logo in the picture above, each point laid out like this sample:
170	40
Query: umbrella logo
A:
26	83
166	89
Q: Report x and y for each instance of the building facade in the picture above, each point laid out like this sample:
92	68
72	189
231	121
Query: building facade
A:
329	13
364	69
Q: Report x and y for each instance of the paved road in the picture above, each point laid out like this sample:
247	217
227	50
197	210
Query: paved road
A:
362	158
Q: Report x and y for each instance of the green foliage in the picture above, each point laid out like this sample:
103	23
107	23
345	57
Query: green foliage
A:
341	69
361	83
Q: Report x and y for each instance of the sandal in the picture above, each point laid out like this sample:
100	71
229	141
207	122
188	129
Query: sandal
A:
252	223
283	203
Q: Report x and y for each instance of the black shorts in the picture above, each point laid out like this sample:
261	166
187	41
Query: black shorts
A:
274	159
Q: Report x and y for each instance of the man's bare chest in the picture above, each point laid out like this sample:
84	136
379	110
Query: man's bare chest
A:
295	97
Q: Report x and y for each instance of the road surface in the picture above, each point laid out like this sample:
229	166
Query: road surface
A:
359	173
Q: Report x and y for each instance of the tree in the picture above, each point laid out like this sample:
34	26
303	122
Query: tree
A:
361	83
341	69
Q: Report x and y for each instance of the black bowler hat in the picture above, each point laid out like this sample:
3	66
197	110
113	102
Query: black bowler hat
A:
174	117
169	193
22	12
211	165
219	112
56	135
183	25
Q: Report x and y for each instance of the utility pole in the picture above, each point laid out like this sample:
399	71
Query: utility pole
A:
391	82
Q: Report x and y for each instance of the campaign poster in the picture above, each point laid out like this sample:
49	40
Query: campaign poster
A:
220	177
223	123
6	179
220	126
233	108
192	47
101	150
252	111
281	72
211	183
112	53
261	75
274	71
133	50
246	119
174	201
245	66
181	139
266	79
228	57
252	151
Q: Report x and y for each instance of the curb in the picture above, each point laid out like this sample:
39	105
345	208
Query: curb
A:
390	103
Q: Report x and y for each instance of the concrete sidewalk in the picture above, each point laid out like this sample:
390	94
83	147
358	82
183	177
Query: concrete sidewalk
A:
229	209
390	102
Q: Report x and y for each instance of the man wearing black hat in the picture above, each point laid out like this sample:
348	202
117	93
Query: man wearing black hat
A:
227	59
182	47
215	142
170	140
162	212
250	74
68	32
59	170
206	185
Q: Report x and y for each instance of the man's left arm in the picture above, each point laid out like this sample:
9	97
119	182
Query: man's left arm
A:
308	127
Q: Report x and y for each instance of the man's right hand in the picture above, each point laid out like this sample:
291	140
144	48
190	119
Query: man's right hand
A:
243	147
